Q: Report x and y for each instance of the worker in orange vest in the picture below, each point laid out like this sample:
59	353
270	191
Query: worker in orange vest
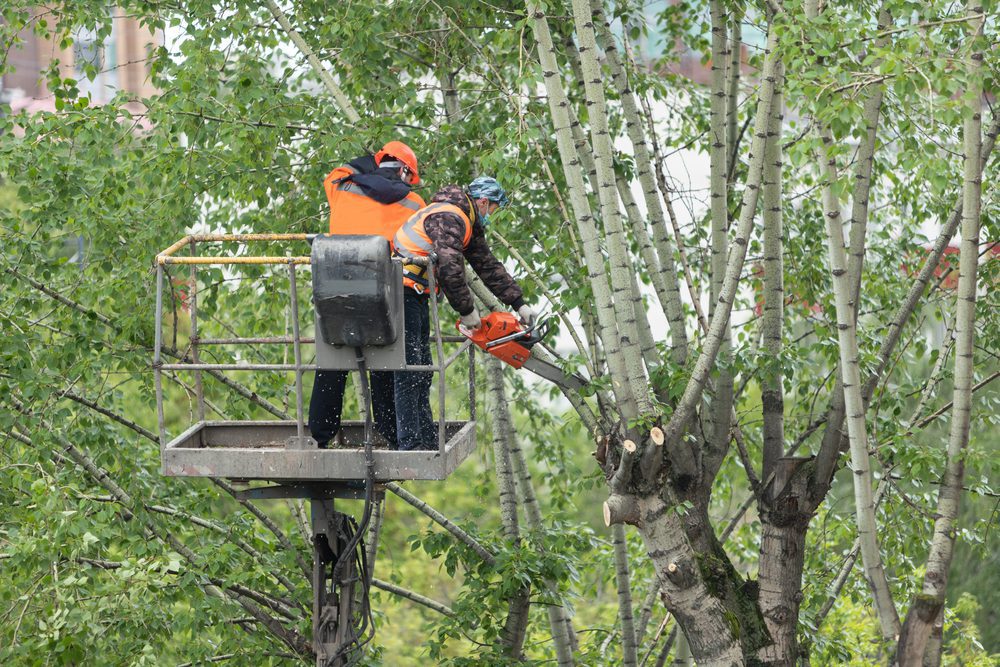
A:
369	195
453	228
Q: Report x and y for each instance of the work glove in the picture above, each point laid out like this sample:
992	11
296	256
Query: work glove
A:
471	321
527	315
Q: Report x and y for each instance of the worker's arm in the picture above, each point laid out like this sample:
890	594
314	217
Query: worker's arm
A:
491	271
447	231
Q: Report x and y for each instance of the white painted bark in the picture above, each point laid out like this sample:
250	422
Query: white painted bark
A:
855	408
926	607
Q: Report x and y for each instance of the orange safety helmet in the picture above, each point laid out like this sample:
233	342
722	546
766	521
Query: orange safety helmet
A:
404	154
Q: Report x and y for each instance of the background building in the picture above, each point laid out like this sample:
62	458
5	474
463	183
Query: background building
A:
121	62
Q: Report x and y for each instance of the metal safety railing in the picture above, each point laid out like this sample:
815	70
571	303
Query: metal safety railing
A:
169	257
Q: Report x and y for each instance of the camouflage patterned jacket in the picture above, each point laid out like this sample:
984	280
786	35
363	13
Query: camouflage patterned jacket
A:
447	230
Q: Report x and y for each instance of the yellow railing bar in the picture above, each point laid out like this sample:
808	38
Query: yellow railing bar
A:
166	257
234	260
172	249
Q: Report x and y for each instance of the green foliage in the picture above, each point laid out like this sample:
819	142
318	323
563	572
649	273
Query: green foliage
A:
239	137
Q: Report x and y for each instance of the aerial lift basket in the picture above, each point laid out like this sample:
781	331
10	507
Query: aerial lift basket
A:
357	290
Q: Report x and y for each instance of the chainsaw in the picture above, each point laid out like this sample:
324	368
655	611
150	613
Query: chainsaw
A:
503	336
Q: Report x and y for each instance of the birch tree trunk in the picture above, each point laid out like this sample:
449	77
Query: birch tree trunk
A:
621	267
719	322
516	625
855	407
667	286
774	292
863	173
622	577
701	615
733	87
721	405
563	635
927	606
783	521
604	306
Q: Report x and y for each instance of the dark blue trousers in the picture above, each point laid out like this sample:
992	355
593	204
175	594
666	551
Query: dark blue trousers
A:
327	403
414	422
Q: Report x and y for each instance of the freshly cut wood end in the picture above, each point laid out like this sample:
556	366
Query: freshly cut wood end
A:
672	568
629	446
607	514
656	435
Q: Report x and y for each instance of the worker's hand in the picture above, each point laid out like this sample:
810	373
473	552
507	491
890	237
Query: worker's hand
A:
527	315
471	321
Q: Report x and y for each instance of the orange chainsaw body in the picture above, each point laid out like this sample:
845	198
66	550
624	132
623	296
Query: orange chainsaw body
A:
495	326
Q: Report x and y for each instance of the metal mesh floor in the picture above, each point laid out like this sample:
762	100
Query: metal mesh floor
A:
270	450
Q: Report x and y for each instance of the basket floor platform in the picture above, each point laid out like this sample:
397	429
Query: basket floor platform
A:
270	450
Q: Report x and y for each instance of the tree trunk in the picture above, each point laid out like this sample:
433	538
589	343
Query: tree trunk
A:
701	615
783	523
667	286
721	404
719	323
620	544
519	605
603	299
563	634
927	606
772	398
733	87
855	408
782	549
863	173
621	272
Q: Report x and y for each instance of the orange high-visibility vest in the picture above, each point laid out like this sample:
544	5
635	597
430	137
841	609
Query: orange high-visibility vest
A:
411	240
353	212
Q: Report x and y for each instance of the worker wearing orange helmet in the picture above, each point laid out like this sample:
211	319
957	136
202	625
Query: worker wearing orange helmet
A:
371	194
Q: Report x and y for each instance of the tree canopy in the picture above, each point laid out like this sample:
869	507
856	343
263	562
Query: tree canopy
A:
787	446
